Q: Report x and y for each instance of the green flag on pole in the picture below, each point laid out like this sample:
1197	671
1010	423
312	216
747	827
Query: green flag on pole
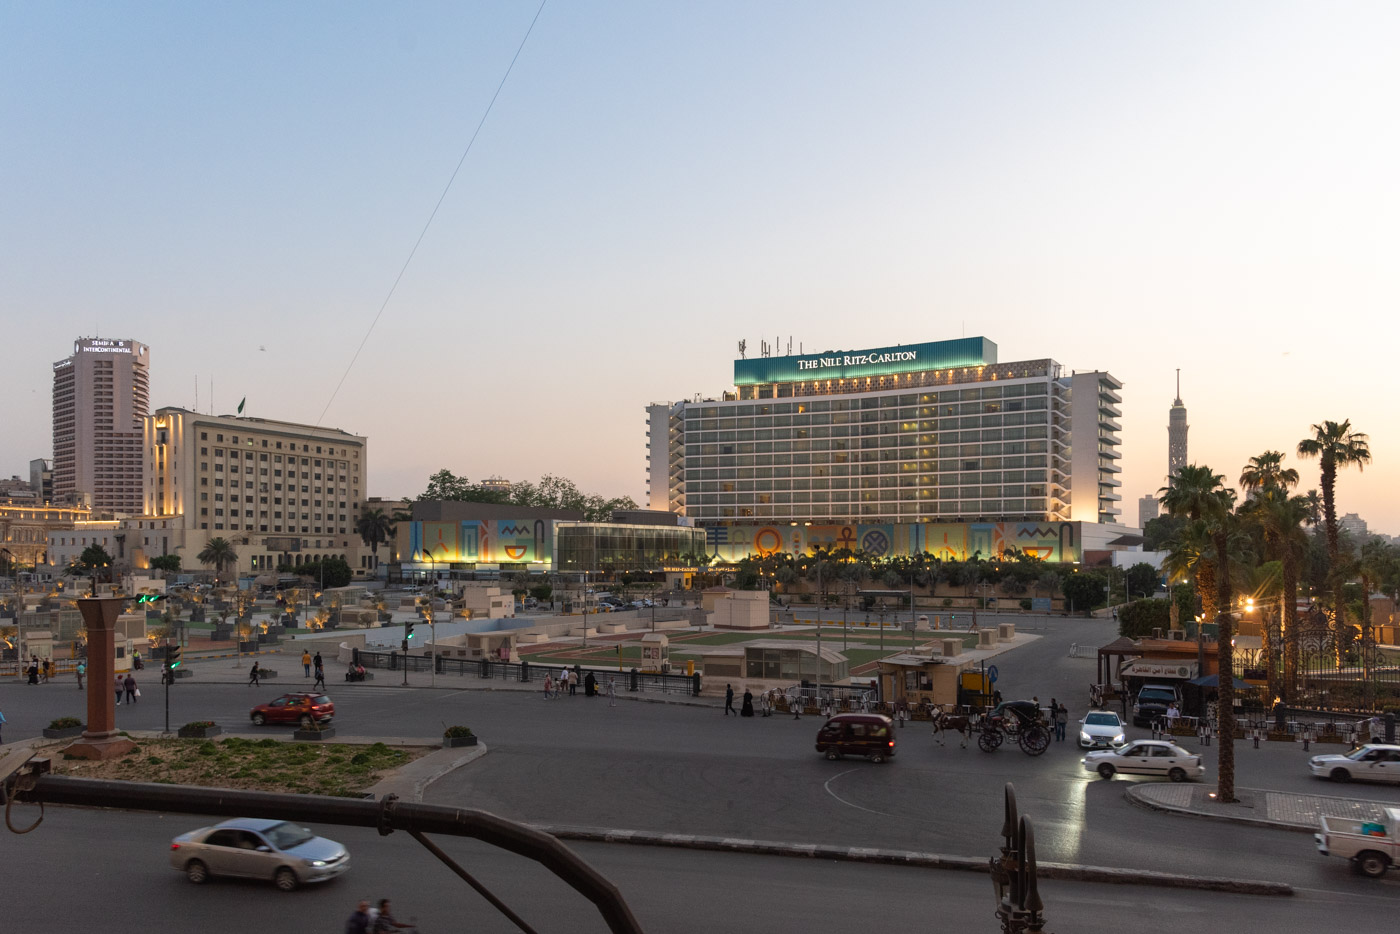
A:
240	404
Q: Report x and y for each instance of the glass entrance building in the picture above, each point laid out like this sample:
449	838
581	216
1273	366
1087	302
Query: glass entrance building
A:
922	433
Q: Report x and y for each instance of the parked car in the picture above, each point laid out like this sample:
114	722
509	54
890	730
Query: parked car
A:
1152	702
300	708
1101	729
1371	845
1146	757
284	853
1370	763
857	734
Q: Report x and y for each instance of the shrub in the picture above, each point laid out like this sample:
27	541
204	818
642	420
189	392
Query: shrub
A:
64	723
1140	617
198	725
456	732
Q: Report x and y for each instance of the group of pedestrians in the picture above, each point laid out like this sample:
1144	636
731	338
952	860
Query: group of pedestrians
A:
126	686
1058	715
745	709
377	920
39	672
568	680
311	663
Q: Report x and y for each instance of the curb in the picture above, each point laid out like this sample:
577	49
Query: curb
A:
1136	798
1066	871
409	784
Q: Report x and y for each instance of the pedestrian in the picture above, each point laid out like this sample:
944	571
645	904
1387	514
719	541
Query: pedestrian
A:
1036	700
2	727
573	682
320	674
795	704
590	686
384	921
34	670
548	686
253	674
765	703
48	670
746	709
1052	711
316	662
358	922
612	692
1061	721
996	698
136	660
80	671
117	687
129	683
305	663
1172	714
728	699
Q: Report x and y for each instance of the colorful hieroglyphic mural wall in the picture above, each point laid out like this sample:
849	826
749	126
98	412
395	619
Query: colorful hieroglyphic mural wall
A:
1051	541
492	541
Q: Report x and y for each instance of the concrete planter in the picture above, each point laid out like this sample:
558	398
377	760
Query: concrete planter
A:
199	732
314	735
248	646
64	733
450	742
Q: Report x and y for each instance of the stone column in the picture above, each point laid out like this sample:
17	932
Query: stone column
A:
100	740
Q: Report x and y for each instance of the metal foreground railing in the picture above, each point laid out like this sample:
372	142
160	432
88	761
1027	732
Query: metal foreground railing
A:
26	780
1014	874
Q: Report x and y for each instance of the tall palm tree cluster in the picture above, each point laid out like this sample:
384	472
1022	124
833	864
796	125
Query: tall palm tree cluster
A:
1265	548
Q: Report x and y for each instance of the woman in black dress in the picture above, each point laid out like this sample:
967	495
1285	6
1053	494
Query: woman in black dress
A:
747	709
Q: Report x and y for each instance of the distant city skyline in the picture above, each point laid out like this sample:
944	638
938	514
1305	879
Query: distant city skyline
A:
1137	189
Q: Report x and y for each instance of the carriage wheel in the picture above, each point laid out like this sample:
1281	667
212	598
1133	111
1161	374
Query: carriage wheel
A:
1035	740
989	740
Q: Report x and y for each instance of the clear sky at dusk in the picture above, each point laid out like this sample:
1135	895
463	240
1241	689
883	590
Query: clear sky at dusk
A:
1129	187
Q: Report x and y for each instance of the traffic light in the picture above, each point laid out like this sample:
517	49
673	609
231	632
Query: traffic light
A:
172	657
407	631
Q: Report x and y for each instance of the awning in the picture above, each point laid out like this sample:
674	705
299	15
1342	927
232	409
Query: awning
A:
1150	668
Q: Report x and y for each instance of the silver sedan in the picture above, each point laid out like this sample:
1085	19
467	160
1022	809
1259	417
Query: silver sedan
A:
284	853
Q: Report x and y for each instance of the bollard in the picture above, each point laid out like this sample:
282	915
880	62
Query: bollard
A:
632	681
694	683
524	671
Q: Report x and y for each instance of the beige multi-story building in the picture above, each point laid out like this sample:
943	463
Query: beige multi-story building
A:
280	492
26	528
100	395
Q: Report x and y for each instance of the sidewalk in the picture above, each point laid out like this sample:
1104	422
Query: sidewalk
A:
289	677
1257	807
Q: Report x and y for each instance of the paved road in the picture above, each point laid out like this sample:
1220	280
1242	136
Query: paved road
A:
114	878
686	769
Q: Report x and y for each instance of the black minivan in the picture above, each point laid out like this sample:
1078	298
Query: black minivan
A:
857	734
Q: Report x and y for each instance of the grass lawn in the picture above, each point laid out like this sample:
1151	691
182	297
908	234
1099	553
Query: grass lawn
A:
337	769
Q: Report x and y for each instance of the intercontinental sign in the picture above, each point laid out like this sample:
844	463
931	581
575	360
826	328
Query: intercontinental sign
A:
821	363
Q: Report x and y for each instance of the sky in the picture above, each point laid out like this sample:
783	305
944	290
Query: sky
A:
1126	187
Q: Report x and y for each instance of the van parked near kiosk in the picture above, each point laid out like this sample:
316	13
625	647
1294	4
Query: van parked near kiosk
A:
857	734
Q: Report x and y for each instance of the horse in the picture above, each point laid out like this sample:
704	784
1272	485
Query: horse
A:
944	721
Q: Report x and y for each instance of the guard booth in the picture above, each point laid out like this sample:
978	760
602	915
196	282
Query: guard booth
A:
656	652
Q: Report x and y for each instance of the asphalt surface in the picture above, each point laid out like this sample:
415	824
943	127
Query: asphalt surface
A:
577	761
118	880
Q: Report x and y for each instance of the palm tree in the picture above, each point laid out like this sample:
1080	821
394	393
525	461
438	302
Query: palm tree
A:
1266	470
375	528
1199	494
1377	563
219	553
1281	518
1336	446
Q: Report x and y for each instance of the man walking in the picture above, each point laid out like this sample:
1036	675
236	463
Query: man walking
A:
729	700
129	683
253	674
81	670
305	663
1061	721
117	688
612	692
573	682
320	674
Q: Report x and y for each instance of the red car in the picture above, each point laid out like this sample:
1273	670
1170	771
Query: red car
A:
304	709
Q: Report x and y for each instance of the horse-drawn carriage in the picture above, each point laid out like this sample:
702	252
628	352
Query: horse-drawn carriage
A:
1022	721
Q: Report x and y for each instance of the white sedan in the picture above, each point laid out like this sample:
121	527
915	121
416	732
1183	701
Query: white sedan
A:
1371	763
1146	757
285	853
1101	729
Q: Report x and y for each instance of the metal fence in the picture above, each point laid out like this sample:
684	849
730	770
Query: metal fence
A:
530	672
1339	672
